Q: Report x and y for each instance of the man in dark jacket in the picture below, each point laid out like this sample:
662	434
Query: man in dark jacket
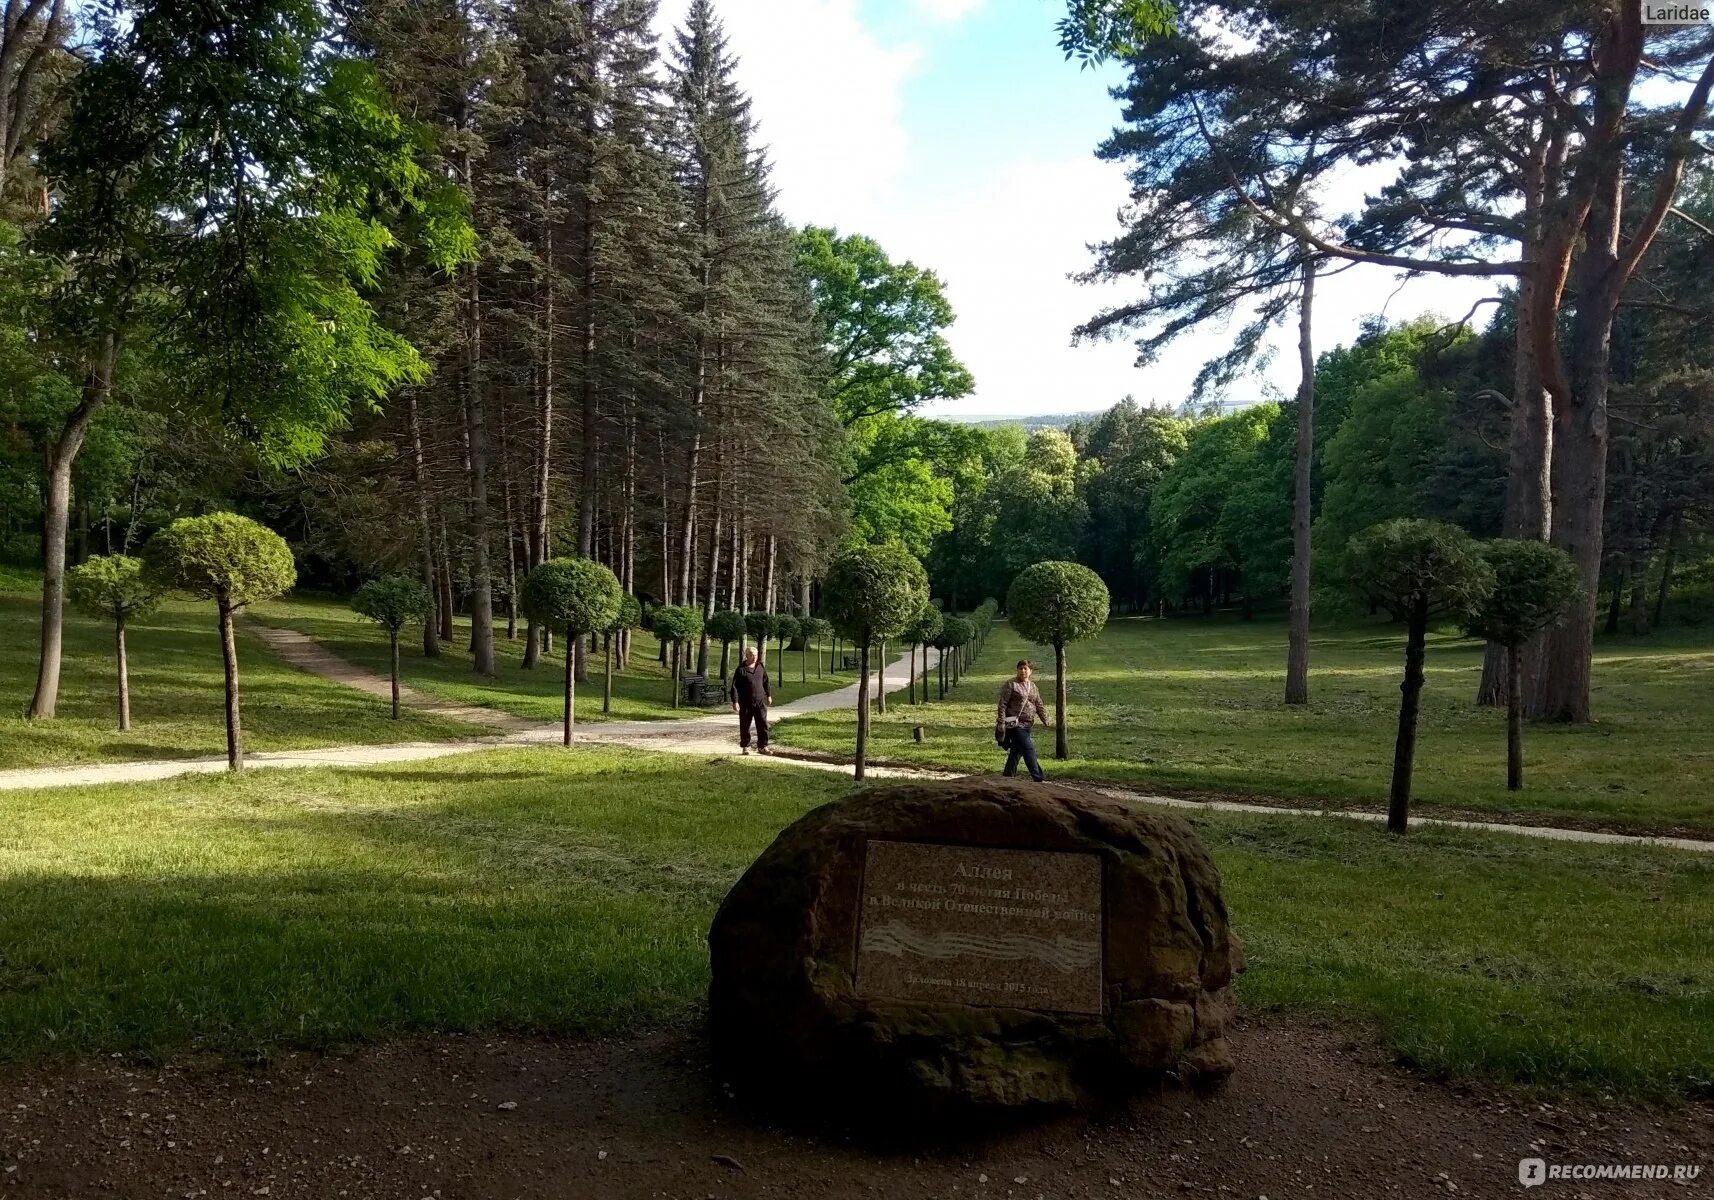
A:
750	699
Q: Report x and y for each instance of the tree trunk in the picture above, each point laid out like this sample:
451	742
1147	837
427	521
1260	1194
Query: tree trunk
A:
229	659
97	386
1297	651
607	684
570	689
713	587
881	681
862	707
476	429
393	645
1639	596
1059	750
425	530
124	676
1666	564
1514	719
448	604
1404	749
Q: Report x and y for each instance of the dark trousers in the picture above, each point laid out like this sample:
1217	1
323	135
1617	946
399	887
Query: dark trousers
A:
746	714
1020	744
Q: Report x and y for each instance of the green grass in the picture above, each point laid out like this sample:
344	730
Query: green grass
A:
1195	706
641	692
570	892
177	693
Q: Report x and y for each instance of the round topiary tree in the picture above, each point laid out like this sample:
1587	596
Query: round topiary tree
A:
756	625
392	603
677	625
1051	604
629	617
955	633
726	626
922	633
575	596
872	593
233	561
1418	571
816	631
783	628
112	588
1535	585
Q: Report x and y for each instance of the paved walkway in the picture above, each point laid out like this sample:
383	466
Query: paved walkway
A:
709	735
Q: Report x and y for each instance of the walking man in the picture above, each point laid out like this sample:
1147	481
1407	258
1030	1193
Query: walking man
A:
750	699
1020	708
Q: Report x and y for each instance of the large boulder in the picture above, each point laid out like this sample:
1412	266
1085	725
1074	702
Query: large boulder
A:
980	943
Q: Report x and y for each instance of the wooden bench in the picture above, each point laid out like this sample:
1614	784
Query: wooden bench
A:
701	692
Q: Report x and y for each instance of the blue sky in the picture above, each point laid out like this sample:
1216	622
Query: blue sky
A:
955	134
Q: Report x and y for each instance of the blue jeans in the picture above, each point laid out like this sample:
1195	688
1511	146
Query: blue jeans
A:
1020	745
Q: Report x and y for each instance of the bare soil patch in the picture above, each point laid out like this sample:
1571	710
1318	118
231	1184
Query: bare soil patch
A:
1309	1113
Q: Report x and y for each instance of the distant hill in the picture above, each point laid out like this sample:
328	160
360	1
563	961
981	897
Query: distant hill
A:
1041	421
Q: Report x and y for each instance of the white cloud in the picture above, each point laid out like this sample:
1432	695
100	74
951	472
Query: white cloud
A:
827	99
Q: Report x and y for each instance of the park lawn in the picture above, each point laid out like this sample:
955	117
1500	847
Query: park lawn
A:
177	692
1194	706
641	692
570	892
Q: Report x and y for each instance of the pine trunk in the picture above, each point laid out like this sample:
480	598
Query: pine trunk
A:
1404	749
124	676
862	707
425	529
1297	651
97	386
229	660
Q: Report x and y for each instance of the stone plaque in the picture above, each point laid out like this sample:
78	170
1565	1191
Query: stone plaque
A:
973	925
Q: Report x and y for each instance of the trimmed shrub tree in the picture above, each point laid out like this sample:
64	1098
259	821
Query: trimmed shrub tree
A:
629	617
782	627
576	597
817	630
726	627
233	561
872	593
922	633
1535	585
756	625
955	633
112	588
1419	571
393	603
677	625
1052	604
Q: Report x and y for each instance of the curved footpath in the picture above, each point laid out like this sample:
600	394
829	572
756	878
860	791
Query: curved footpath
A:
710	735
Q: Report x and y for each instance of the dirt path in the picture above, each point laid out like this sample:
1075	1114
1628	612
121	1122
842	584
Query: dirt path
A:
475	1117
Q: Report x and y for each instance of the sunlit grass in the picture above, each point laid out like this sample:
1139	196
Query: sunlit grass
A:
177	692
570	892
1196	705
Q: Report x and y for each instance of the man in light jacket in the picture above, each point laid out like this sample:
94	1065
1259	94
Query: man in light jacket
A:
1020	708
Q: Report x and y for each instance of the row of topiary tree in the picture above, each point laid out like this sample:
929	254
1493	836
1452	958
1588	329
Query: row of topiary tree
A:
1505	591
221	557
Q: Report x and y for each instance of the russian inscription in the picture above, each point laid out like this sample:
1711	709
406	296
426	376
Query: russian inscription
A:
974	925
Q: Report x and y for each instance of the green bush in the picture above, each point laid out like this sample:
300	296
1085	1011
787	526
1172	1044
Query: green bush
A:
872	593
114	589
574	596
233	561
1535	585
222	557
393	603
1054	603
1418	571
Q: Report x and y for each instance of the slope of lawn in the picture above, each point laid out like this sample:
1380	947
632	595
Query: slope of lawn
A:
177	692
571	891
642	691
1194	705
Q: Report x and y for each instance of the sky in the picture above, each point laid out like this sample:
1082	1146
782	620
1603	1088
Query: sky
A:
955	134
